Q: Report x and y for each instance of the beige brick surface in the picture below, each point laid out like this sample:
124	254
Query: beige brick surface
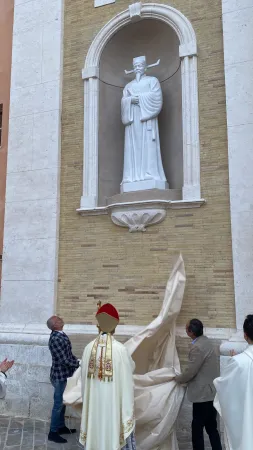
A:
100	261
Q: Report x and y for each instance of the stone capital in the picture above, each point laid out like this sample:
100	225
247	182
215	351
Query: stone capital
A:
90	72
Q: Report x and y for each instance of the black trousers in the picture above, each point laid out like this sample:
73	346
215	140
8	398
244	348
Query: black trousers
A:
205	416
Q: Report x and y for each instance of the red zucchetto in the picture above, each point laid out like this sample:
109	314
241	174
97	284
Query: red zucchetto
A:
107	317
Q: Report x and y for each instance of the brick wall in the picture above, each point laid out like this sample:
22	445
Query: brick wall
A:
99	261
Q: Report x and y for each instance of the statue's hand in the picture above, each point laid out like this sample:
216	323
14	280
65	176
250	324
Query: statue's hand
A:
135	100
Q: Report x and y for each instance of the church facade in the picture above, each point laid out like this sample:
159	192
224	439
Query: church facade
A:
64	224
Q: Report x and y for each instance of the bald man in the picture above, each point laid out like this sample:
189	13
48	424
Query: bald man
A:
64	364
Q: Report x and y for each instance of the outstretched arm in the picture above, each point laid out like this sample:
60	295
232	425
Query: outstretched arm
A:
4	367
196	360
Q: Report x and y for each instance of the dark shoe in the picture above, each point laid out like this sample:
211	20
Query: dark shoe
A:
54	437
66	430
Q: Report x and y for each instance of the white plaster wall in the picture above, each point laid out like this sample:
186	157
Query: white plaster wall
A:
32	194
238	53
29	392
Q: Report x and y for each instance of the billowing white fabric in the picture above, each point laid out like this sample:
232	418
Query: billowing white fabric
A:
142	156
73	393
2	385
108	406
157	397
234	400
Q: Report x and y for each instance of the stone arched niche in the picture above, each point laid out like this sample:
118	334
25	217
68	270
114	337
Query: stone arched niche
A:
142	28
154	39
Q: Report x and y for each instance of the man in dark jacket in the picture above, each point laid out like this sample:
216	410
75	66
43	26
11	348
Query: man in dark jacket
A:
202	369
64	364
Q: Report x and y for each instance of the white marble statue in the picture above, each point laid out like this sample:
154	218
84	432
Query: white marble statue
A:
140	106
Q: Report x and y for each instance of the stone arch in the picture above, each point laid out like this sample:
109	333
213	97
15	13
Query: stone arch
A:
190	116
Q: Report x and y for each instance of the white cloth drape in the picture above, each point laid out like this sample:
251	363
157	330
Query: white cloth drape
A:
234	400
157	397
2	385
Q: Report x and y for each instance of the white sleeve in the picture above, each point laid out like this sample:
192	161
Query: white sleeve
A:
2	385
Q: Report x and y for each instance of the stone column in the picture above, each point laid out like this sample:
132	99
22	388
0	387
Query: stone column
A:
29	278
90	148
190	113
238	53
30	257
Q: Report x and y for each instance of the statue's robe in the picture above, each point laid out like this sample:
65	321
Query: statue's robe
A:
234	400
142	156
2	385
108	406
158	397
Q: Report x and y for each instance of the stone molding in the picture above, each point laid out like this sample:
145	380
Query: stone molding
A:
135	11
212	333
38	334
159	203
227	347
90	72
137	219
188	54
236	342
138	215
98	3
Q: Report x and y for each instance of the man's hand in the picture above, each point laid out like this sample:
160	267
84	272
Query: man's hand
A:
6	365
232	353
135	100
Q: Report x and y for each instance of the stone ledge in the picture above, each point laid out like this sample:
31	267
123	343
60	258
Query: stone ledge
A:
158	203
236	342
138	210
38	334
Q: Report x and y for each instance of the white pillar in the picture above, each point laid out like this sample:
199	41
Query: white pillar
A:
29	277
238	53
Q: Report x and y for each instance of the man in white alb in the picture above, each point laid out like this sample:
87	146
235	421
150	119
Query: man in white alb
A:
234	399
107	389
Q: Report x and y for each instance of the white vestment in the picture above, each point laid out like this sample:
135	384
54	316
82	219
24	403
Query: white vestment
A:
2	385
158	397
142	156
234	400
108	406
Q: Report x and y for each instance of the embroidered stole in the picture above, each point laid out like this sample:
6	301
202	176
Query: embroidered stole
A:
105	371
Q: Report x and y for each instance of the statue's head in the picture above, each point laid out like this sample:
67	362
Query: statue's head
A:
140	65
